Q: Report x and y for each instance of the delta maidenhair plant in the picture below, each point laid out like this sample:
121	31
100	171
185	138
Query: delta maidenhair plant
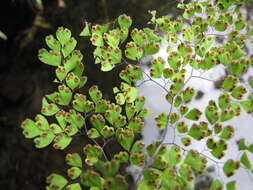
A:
191	41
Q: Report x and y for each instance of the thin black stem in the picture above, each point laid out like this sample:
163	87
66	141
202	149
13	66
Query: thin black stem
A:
203	78
93	140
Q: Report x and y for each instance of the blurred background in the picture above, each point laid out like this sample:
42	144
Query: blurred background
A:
24	79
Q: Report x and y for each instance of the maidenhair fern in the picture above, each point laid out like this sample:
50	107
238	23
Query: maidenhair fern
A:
191	41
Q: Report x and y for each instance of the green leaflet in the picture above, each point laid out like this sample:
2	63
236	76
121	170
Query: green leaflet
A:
139	103
124	21
240	24
108	57
216	185
112	38
63	35
178	100
61	73
44	139
130	110
208	42
108	168
97	121
75	119
221	25
71	130
227	132
130	92
211	112
55	180
42	122
138	159
120	99
245	160
173	117
107	131
74	160
30	129
64	96
123	33
152	174
125	138
91	178
174	60
182	127
93	154
133	51
238	92
136	124
56	129
163	23
242	144
230	166
217	148
250	81
72	80
165	157
138	146
186	172
188	13
68	47
230	82
188	94
186	141
106	66
183	109
117	182
139	37
196	161
131	74
151	149
151	48
188	34
100	106
99	29
161	120
95	94
74	186
72	60
52	43
151	34
199	131
122	157
218	128
74	172
144	113
62	141
48	109
51	58
224	101
231	185
93	133
112	113
85	31
97	39
239	67
194	114
157	67
247	105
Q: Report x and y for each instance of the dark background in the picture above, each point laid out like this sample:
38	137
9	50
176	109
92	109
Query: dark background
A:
24	79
